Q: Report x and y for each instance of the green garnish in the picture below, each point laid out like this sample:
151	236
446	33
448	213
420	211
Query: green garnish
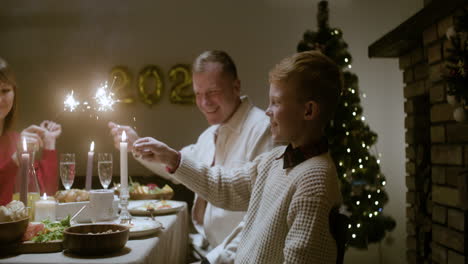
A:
52	230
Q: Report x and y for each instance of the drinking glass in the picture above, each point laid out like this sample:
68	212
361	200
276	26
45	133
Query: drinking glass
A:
105	169
67	169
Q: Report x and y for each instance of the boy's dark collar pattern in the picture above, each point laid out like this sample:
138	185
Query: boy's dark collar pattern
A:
294	156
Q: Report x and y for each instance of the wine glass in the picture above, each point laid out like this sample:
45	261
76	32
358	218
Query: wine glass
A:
105	169
67	169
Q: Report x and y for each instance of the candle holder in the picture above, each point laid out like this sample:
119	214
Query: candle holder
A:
45	208
26	187
125	217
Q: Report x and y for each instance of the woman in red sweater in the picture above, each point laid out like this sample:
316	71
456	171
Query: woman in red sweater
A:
42	136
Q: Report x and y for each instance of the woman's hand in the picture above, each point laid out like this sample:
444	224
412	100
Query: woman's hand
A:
150	149
52	132
34	136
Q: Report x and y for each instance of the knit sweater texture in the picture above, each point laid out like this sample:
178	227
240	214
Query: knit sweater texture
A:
287	209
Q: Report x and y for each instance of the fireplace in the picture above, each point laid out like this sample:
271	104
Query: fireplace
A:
436	145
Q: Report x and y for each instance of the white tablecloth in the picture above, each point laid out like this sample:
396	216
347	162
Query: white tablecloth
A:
169	245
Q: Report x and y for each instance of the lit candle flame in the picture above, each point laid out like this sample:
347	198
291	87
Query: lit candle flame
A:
44	197
70	102
124	136
91	148
25	147
104	99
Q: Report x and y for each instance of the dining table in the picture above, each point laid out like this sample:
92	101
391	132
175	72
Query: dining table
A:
167	245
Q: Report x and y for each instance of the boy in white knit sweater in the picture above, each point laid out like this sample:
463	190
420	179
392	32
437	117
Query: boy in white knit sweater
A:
288	192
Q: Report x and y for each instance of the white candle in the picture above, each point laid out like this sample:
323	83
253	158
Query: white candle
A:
24	174
44	209
123	162
89	168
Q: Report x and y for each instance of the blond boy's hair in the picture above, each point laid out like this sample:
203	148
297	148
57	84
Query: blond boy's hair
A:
318	78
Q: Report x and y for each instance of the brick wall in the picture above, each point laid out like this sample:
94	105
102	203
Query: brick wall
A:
436	156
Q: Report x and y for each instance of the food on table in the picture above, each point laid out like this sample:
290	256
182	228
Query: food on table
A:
72	195
13	211
158	205
104	232
149	191
151	188
47	230
32	230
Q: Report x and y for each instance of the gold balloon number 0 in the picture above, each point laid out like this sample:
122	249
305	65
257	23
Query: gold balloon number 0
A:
151	95
150	84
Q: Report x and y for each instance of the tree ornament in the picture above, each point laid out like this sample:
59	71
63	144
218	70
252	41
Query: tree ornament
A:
459	114
455	71
453	100
450	33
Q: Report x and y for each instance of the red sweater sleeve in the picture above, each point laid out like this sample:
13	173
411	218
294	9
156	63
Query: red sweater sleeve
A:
8	167
8	170
46	170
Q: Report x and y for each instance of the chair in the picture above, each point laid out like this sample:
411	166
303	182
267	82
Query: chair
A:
339	230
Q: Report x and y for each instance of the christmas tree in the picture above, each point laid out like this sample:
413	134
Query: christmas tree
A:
351	141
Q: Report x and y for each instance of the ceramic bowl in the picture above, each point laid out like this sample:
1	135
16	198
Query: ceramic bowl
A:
95	239
13	231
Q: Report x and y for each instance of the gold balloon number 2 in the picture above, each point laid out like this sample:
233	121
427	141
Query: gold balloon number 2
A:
181	91
150	85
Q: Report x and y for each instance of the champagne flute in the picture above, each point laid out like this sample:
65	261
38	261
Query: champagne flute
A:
67	169
105	169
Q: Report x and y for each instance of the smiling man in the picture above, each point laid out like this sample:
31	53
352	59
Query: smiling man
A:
289	191
239	132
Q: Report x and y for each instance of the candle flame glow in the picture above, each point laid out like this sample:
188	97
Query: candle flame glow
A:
91	148
124	136
44	197
70	102
104	99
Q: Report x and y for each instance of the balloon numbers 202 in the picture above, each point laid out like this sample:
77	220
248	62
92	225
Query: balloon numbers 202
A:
150	85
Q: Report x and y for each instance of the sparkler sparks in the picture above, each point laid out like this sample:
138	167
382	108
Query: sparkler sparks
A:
70	103
105	98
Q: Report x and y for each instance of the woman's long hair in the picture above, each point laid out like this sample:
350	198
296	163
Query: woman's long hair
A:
7	76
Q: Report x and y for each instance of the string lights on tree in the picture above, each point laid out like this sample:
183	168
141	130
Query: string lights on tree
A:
362	183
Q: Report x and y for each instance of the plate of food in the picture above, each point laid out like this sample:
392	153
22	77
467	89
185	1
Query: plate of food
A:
155	207
72	196
39	237
143	226
149	191
71	201
14	221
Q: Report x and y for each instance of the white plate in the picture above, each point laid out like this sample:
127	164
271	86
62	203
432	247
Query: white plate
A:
143	227
138	207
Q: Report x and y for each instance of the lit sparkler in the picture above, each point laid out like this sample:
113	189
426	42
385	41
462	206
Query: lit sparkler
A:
70	103
104	98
